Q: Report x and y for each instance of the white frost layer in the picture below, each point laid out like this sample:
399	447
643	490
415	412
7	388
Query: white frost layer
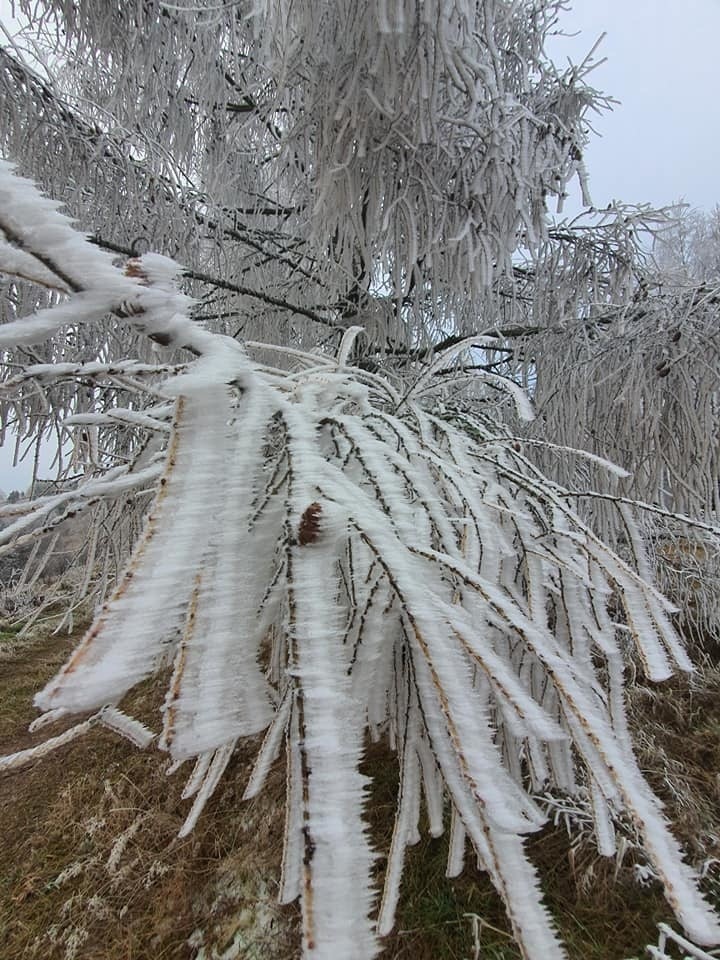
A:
218	692
147	609
337	894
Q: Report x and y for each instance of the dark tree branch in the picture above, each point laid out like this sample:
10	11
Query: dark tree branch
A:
225	285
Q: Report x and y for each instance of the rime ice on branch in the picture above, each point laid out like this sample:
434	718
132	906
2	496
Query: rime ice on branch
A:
330	560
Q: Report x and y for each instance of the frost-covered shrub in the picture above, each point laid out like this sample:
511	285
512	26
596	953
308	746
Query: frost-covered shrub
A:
329	558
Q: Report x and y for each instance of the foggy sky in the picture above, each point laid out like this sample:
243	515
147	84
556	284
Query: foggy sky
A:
662	142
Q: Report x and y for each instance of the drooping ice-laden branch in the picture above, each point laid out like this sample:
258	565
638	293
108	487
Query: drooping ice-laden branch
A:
328	559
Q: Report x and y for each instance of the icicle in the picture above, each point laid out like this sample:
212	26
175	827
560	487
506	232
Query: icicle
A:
405	827
215	770
270	749
604	830
198	775
456	853
432	788
291	879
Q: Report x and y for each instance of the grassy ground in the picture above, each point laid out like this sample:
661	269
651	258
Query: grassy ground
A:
91	867
90	863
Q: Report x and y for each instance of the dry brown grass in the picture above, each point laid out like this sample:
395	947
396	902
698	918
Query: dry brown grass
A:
677	740
90	864
91	867
600	915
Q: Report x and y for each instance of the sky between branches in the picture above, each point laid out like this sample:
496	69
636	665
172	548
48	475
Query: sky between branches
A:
661	144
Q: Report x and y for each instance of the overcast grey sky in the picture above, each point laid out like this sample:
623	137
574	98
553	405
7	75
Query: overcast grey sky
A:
662	142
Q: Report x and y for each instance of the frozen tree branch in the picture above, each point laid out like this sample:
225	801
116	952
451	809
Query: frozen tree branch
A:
409	583
413	567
